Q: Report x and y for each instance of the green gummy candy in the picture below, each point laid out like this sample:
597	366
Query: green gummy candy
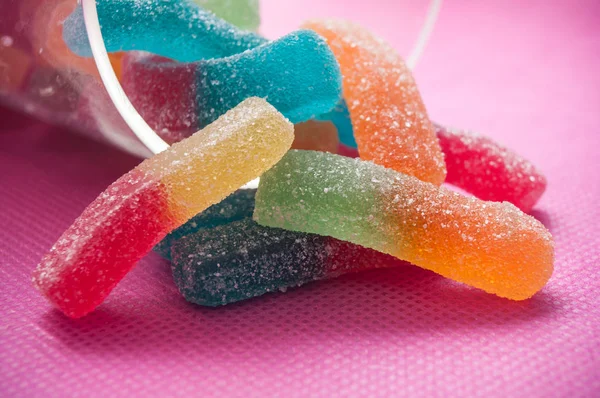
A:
241	13
329	195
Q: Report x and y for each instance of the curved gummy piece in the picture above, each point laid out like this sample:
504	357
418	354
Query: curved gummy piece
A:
242	260
489	245
189	33
177	29
317	136
159	195
390	122
488	170
242	13
297	74
235	207
161	92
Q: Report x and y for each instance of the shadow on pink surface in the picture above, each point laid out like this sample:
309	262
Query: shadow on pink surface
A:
543	217
405	303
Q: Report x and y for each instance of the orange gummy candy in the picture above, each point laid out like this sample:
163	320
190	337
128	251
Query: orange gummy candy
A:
390	122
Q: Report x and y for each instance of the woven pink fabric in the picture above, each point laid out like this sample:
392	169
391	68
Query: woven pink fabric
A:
526	73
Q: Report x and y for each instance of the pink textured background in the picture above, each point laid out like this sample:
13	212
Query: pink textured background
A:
526	73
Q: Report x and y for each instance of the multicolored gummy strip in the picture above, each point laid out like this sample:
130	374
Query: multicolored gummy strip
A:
490	245
242	259
138	210
298	63
188	34
226	98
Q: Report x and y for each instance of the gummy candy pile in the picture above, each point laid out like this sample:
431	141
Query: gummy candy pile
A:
350	165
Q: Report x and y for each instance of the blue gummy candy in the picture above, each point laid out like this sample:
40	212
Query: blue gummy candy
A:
297	74
177	29
237	206
182	31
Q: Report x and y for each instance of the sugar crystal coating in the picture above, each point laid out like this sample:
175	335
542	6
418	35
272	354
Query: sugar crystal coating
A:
489	245
488	170
241	260
180	30
390	122
159	195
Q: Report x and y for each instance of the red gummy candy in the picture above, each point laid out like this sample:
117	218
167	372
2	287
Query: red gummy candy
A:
488	170
164	93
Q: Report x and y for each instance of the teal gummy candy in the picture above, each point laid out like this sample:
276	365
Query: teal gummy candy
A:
177	29
237	206
329	195
241	13
241	260
182	31
297	74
